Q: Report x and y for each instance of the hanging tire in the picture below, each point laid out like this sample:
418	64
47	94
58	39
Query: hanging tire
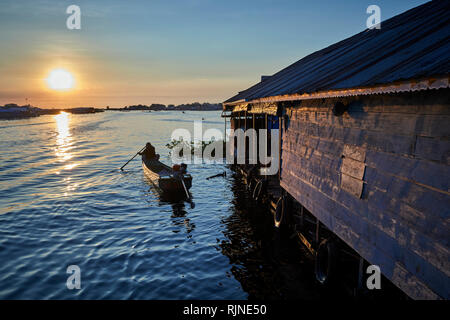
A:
279	212
326	261
251	176
253	172
257	190
250	185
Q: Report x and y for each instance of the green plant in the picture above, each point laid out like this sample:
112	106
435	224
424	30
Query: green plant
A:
192	145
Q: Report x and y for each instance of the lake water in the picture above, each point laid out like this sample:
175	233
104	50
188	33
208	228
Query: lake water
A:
63	201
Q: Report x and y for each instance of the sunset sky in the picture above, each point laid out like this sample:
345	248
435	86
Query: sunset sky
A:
171	51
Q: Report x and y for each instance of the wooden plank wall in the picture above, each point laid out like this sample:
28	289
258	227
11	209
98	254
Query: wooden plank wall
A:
379	178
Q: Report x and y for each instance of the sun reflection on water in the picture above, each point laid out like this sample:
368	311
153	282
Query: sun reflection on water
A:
64	138
64	145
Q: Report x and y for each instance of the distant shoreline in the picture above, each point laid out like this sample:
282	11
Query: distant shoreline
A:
126	110
16	112
196	106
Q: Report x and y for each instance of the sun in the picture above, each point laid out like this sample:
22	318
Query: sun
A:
60	79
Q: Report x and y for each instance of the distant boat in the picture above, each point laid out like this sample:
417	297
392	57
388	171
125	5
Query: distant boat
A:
162	177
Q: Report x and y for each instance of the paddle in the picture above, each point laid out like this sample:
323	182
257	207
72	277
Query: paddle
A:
187	194
132	158
223	174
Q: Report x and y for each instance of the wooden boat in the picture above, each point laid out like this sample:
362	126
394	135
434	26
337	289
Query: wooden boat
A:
162	178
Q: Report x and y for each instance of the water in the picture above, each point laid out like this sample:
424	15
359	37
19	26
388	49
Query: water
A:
64	202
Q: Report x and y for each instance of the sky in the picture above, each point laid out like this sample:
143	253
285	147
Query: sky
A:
168	51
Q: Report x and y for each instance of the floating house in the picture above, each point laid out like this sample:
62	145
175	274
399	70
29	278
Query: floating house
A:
365	152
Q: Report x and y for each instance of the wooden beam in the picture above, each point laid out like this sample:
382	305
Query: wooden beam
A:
280	132
245	120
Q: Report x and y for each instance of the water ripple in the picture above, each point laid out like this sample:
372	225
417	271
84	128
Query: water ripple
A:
64	202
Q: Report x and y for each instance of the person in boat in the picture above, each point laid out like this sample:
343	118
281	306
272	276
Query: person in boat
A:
183	168
176	171
179	170
149	152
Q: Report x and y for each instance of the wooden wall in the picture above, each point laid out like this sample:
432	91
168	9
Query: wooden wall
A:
379	177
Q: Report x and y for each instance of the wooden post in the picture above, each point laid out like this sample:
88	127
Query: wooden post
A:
317	233
360	275
225	136
302	217
257	137
239	119
267	129
280	121
245	120
245	139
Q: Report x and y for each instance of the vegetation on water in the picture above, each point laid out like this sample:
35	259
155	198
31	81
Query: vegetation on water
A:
180	145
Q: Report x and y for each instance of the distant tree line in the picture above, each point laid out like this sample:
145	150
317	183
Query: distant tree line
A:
181	107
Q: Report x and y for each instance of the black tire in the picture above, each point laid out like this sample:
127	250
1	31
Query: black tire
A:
253	172
326	261
257	190
279	212
249	185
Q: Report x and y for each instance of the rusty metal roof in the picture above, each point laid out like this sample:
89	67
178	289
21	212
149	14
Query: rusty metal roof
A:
412	45
241	107
264	108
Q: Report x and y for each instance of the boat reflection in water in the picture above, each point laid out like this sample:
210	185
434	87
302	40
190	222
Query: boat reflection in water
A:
177	202
179	213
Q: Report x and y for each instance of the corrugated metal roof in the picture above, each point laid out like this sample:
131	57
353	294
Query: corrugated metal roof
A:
412	45
240	107
396	87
